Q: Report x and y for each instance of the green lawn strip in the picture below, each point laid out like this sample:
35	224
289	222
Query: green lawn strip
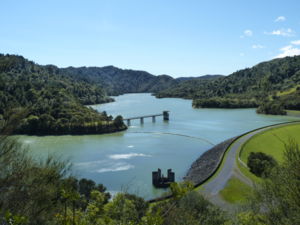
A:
246	172
271	141
235	191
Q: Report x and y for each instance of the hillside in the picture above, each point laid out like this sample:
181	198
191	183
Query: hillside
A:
273	82
53	102
188	87
117	81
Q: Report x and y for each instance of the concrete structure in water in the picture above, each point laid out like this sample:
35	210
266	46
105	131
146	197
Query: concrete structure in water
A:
164	114
160	181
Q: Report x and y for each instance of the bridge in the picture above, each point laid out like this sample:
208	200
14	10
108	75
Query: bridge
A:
164	114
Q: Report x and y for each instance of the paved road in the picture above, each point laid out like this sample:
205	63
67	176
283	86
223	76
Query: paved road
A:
230	168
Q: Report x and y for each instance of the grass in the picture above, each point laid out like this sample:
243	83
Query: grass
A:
289	91
271	141
235	191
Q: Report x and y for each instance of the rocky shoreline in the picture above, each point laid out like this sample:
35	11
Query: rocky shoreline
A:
207	164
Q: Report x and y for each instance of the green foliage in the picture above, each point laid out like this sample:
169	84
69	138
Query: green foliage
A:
190	88
178	190
28	188
246	88
271	108
191	208
117	81
53	100
278	195
250	218
224	103
118	121
261	164
9	218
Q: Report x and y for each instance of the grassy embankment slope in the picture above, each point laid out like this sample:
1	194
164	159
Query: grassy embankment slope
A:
271	142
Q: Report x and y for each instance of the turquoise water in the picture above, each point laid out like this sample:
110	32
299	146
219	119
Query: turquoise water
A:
124	161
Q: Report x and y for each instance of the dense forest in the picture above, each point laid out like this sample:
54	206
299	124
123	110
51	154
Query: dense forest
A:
50	102
273	86
52	99
117	81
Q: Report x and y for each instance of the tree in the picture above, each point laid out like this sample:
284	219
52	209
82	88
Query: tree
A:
261	164
277	199
118	121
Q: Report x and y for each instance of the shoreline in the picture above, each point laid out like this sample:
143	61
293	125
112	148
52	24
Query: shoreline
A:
214	163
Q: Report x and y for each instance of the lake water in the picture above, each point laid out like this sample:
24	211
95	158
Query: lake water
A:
124	161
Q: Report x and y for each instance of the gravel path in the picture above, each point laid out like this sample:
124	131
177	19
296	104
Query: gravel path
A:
212	188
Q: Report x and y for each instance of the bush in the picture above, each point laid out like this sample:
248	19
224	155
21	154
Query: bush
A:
261	164
271	108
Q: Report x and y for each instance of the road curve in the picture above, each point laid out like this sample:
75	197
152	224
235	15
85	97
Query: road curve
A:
212	188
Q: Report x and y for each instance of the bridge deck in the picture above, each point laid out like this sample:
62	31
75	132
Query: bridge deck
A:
139	117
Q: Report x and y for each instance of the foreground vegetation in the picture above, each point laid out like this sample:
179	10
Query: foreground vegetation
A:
45	192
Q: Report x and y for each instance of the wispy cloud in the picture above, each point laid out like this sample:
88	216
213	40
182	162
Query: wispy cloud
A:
258	46
288	51
280	19
282	32
247	33
242	54
296	42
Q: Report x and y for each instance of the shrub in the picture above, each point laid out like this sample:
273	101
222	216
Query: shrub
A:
260	163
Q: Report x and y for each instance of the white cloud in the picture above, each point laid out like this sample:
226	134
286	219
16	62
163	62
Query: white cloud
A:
288	51
248	33
282	32
280	19
296	42
257	46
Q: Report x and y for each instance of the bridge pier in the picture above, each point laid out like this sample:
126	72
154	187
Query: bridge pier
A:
128	122
142	120
153	119
166	115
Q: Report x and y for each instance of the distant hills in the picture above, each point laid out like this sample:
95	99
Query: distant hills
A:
117	81
273	86
54	97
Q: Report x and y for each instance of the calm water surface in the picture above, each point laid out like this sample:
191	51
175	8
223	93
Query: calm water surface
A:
124	161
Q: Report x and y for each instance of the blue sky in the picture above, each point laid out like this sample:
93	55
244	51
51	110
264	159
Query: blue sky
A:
174	37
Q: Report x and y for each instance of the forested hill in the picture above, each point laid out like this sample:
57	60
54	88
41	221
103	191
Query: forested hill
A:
52	101
273	84
118	81
189	87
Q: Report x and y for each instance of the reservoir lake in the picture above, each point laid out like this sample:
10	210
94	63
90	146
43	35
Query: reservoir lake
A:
124	161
